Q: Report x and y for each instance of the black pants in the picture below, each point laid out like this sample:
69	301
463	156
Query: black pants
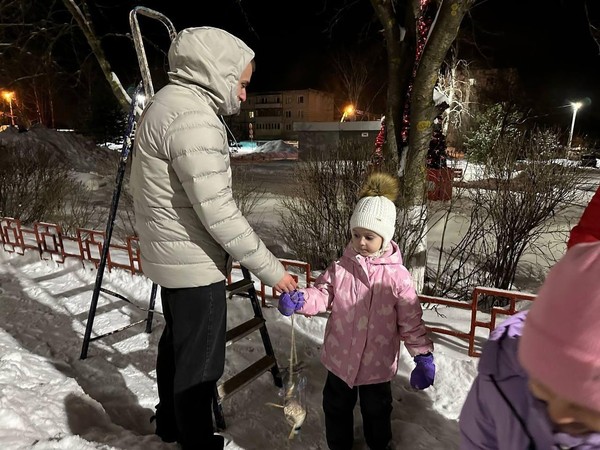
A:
375	407
191	359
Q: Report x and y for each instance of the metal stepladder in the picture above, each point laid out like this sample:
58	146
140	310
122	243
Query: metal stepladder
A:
244	287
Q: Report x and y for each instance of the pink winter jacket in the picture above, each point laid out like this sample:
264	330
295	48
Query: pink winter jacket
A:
373	307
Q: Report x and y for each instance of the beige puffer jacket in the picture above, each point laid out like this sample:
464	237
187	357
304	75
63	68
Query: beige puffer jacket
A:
186	218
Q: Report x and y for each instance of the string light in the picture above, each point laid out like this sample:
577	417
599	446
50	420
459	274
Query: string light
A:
427	10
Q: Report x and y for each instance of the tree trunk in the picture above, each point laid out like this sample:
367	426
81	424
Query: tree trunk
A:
400	45
442	34
84	22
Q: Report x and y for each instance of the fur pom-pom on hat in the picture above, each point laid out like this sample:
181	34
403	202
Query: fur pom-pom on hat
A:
375	210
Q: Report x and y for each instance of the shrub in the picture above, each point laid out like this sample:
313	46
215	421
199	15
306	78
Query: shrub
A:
495	123
247	192
315	223
511	211
35	185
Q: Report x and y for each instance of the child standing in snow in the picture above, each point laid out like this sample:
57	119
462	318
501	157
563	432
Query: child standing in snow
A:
538	385
373	307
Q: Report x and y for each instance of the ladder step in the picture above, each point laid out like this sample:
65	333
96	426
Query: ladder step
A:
239	286
237	333
244	377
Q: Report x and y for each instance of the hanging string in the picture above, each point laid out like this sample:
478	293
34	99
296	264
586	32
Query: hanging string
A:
293	354
293	410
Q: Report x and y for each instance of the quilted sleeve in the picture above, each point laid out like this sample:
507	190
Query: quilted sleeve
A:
410	317
196	148
319	297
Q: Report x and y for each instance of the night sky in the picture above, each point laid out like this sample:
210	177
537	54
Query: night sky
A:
292	45
551	44
548	41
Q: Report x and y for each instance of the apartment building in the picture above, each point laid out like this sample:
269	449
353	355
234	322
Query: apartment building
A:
271	115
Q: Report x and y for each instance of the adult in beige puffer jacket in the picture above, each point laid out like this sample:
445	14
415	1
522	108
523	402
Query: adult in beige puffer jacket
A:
189	225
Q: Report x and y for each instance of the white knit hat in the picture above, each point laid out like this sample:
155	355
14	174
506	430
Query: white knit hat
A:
375	211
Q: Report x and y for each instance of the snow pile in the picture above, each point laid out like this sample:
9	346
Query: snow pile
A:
278	149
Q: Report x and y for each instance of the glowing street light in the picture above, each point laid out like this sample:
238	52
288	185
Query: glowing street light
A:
8	96
348	111
575	106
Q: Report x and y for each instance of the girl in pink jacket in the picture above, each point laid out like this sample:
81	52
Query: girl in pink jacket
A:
373	307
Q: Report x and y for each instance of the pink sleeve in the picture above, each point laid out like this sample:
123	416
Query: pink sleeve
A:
410	320
318	297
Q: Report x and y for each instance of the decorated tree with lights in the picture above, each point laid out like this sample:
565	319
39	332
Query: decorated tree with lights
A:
418	35
436	155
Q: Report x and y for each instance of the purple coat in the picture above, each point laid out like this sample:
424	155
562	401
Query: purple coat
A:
487	420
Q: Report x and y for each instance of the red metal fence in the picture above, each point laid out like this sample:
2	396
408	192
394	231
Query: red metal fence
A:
48	240
512	296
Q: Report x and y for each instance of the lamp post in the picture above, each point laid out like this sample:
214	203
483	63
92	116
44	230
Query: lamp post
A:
8	96
348	111
575	106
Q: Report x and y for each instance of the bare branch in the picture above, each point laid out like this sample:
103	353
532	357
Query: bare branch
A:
594	31
85	24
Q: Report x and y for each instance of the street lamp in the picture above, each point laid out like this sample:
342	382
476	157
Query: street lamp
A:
8	96
348	111
575	106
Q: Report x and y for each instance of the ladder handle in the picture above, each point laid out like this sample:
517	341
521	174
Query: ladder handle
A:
139	43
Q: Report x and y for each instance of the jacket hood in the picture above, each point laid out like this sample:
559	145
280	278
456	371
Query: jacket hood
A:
212	60
500	355
499	359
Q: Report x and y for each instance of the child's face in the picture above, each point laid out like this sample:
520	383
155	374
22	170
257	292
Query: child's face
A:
366	242
568	417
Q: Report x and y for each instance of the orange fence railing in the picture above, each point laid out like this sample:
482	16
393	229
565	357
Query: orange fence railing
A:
48	240
469	335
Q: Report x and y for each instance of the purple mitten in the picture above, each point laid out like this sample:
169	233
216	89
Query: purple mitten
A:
423	374
288	303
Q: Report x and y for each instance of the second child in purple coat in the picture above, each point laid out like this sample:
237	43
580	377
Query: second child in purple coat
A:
373	307
538	386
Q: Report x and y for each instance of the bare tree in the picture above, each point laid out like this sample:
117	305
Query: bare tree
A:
511	209
80	12
353	72
35	185
45	49
315	223
454	82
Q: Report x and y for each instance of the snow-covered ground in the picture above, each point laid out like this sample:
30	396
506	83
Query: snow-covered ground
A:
52	399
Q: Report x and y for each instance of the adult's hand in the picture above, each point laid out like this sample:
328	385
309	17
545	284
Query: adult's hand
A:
286	284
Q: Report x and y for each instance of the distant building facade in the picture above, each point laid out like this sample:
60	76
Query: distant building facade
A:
272	115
